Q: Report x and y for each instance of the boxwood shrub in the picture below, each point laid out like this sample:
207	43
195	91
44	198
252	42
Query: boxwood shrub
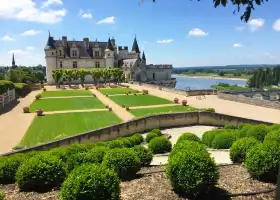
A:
126	142
240	147
22	89
274	127
242	130
150	136
136	139
224	139
91	182
191	170
188	136
124	161
41	172
157	131
262	161
259	131
160	145
143	154
115	144
273	136
209	136
230	126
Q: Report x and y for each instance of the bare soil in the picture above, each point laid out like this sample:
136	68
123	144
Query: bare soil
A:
155	186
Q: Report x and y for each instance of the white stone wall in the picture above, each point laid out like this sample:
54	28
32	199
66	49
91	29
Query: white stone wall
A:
51	65
160	74
81	63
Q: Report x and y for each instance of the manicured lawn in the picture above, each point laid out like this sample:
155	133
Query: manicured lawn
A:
57	104
52	127
62	93
159	110
111	91
139	100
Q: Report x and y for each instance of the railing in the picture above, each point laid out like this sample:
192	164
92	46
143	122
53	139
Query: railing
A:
7	98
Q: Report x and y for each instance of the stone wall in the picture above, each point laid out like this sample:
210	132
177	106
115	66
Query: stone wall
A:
249	100
145	124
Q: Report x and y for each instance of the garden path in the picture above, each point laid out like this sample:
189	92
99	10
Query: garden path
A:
75	111
122	94
155	106
63	97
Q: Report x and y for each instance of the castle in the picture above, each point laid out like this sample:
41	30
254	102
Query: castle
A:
67	54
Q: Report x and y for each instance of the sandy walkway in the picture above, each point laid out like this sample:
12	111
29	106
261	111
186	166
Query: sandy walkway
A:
63	97
74	111
155	106
220	105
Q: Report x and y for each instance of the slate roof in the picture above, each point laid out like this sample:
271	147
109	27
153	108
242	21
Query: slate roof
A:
109	45
135	46
143	56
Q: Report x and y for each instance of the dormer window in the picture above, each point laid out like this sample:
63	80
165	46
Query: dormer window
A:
96	53
74	53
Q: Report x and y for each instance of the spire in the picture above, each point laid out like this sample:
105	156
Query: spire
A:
13	61
109	45
143	56
50	42
135	46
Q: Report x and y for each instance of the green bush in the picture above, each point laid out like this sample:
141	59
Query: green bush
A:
208	109
160	145
274	127
224	140
22	89
115	144
150	136
273	136
190	169
188	136
242	130
262	161
2	196
258	132
98	153
157	131
143	154
240	147
124	161
230	126
5	86
208	137
126	142
41	172
93	182
136	139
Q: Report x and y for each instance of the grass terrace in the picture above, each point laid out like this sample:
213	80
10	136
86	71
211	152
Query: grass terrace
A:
139	100
52	127
112	91
58	104
64	93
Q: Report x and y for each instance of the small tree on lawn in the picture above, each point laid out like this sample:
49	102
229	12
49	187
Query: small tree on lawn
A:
57	75
69	75
106	75
82	75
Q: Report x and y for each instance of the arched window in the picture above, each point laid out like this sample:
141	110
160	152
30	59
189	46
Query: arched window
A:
60	64
75	64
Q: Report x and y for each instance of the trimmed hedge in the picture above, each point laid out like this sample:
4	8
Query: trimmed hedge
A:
22	89
188	136
240	147
259	131
115	144
190	169
91	182
41	172
273	136
160	145
242	130
126	143
274	127
136	139
224	139
143	154
5	86
157	131
151	136
124	161
230	126
208	137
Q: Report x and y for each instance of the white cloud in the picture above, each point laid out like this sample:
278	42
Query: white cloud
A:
51	2
107	20
237	45
167	41
276	25
29	48
256	24
86	15
7	38
267	54
27	10
31	32
197	32
239	28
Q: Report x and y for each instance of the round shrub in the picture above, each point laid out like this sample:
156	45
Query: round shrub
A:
115	144
136	139
230	126
126	142
91	182
262	161
124	161
60	152
2	196
188	136
191	170
273	136
143	154
208	137
150	136
240	147
98	153
224	140
242	130
160	145
258	132
157	131
41	172
274	127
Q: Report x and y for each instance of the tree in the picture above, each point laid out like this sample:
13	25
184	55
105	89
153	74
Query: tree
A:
96	75
82	73
106	75
248	5
39	76
68	73
57	75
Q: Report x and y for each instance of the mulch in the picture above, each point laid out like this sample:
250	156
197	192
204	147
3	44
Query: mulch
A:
155	186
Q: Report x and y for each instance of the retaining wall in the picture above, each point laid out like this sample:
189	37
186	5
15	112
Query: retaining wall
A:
145	124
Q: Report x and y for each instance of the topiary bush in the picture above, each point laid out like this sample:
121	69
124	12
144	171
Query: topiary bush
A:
224	140
124	161
144	154
136	139
126	142
258	132
273	136
150	136
190	169
262	161
242	130
240	147
274	127
41	172
160	145
230	126
209	136
157	131
188	136
93	182
98	153
115	144
2	196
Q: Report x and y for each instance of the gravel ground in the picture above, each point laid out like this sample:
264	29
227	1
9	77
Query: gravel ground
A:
155	186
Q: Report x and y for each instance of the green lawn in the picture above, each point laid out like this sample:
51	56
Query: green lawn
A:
63	93
52	127
159	110
139	100
57	104
111	91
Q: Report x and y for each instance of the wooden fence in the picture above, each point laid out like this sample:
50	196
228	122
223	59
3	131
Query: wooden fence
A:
7	98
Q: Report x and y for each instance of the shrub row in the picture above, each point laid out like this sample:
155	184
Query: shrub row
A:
154	133
22	89
219	138
5	86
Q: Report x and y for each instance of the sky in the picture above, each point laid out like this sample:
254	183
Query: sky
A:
181	33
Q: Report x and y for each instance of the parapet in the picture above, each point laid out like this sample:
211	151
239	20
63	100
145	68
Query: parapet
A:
159	66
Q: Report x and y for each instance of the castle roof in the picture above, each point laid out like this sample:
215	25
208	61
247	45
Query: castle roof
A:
143	56
135	46
109	45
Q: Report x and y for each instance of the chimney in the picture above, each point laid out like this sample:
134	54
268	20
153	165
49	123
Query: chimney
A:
113	41
120	48
125	48
86	42
64	40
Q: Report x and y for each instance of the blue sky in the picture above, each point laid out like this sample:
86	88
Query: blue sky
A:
181	32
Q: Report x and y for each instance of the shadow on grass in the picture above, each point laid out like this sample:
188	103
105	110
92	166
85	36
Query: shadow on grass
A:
9	107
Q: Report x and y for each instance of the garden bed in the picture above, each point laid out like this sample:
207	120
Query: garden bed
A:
113	91
62	93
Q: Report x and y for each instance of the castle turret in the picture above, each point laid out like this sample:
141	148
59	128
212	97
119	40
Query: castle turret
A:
135	47
109	54
50	55
143	58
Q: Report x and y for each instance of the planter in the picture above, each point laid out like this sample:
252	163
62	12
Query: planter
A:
135	94
106	106
38	96
42	86
94	95
176	100
106	95
39	112
123	106
126	93
127	108
160	88
110	109
184	102
44	89
86	88
25	109
145	91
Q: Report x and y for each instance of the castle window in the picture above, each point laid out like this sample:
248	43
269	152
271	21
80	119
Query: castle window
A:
96	53
60	64
108	54
97	64
52	53
75	64
74	53
60	53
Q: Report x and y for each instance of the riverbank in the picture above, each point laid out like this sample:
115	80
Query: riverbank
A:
210	77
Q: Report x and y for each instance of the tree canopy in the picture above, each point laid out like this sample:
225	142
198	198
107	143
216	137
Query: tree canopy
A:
248	5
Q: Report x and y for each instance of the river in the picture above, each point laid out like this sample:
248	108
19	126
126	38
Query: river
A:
203	83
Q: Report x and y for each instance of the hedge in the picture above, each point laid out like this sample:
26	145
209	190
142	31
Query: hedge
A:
160	145
116	144
188	136
143	154
259	131
242	130
224	139
157	131
91	182
150	136
273	136
208	136
22	89
274	127
230	126
136	139
5	86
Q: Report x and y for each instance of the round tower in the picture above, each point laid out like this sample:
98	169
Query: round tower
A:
50	55
109	54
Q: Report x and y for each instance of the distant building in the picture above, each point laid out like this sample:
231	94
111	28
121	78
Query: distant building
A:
14	62
87	54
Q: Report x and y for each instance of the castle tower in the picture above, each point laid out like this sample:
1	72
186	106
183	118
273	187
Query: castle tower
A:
13	61
109	54
135	47
144	59
50	55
